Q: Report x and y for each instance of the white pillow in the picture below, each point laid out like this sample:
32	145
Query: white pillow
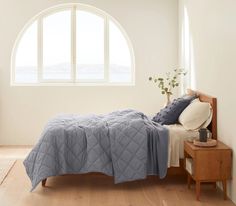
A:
196	115
208	121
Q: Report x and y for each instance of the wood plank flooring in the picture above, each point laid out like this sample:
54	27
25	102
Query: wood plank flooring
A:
99	190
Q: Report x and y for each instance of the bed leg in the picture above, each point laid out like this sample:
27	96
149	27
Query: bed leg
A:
44	182
189	181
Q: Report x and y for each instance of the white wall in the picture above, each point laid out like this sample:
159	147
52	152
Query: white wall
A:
213	31
152	26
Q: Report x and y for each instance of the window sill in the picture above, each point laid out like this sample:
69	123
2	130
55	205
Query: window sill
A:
89	84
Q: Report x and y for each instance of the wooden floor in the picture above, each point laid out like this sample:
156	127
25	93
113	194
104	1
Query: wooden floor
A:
96	190
14	152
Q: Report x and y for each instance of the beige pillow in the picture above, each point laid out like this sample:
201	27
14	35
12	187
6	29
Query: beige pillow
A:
208	121
195	115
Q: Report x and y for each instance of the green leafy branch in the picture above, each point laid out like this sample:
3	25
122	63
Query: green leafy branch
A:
169	82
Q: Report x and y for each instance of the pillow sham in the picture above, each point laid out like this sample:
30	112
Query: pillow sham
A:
170	114
195	115
208	121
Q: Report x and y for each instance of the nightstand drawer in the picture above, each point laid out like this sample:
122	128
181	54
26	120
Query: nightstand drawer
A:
213	165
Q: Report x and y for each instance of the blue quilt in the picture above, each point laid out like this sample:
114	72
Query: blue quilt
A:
125	144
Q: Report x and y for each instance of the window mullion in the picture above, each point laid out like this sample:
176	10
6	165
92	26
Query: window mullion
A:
40	50
106	50
73	43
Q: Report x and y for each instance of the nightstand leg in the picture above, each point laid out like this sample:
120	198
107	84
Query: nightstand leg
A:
198	184
214	185
224	183
189	181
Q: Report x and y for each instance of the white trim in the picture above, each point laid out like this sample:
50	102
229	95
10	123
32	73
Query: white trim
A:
73	84
73	43
40	49
53	10
106	50
73	7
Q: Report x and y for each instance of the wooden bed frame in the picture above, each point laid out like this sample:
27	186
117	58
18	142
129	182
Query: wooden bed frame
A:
212	127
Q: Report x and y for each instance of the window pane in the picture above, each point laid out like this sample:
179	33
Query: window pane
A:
120	60
90	46
26	57
57	46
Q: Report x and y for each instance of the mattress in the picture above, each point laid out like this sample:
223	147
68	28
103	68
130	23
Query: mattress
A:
177	135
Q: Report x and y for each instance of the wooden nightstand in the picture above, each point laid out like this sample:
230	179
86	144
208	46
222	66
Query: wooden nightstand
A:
208	164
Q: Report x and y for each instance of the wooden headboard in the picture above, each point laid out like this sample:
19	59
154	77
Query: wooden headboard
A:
212	100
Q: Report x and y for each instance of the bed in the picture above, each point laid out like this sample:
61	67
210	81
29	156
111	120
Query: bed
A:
125	144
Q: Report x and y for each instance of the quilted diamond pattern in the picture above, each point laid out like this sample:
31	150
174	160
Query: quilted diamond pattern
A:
113	144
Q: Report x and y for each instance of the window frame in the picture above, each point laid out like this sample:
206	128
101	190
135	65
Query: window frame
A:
73	81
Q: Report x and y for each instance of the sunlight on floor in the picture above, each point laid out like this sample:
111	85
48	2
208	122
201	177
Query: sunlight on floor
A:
14	152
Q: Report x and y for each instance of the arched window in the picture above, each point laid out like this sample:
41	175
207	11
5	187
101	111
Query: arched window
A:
74	44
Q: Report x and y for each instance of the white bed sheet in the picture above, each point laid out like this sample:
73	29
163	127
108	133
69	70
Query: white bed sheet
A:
177	136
